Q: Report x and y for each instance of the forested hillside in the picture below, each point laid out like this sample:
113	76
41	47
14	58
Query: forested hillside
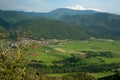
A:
45	28
101	25
52	43
62	23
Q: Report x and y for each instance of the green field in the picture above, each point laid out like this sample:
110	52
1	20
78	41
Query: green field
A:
96	75
55	52
49	55
92	45
58	52
101	74
59	75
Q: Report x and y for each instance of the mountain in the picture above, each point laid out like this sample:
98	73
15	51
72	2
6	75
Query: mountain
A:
65	11
46	28
62	23
4	23
35	14
103	25
57	13
13	16
16	16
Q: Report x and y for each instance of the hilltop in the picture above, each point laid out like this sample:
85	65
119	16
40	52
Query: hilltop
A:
62	23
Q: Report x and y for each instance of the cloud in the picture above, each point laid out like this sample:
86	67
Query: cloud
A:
78	7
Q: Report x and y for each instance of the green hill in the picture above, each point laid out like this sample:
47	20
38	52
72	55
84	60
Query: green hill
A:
101	25
69	24
57	13
4	23
46	28
13	16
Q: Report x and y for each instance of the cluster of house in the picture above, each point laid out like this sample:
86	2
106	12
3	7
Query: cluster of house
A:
26	41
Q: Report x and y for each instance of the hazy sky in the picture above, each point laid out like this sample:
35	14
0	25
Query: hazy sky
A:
112	6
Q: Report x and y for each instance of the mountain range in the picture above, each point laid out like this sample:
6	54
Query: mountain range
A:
61	23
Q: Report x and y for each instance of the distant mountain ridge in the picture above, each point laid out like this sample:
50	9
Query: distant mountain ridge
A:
57	13
65	11
13	16
103	25
62	23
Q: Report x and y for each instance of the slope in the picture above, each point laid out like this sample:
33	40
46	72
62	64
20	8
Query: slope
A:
46	28
4	23
57	13
13	16
102	25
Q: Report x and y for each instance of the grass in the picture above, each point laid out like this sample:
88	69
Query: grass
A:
96	75
91	61
111	60
101	74
95	60
94	45
57	75
49	55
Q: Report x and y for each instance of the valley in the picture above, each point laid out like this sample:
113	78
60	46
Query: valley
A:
77	53
63	44
60	58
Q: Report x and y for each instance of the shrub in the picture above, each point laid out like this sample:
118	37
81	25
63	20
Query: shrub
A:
14	67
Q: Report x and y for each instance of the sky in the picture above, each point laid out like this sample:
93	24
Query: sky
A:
111	6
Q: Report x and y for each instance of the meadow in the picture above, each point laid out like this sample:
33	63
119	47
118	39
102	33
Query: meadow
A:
92	45
54	52
72	55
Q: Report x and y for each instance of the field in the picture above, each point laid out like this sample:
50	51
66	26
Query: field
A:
51	53
96	75
77	54
94	45
102	74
